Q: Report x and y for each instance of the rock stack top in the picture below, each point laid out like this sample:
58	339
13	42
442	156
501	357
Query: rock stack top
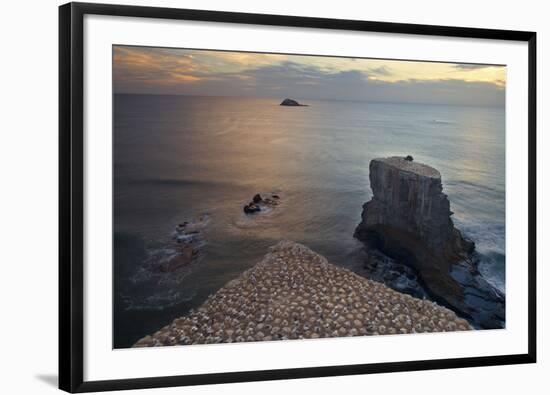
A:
294	293
408	196
408	165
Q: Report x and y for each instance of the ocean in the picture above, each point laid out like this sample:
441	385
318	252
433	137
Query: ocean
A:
184	158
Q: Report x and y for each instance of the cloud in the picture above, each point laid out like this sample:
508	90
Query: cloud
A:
471	66
143	67
380	71
210	73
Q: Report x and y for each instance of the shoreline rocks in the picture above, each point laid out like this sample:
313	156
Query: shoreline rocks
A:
409	220
379	267
294	293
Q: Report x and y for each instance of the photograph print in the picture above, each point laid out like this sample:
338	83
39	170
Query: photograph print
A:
267	197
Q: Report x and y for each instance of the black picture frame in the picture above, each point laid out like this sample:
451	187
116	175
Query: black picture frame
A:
71	195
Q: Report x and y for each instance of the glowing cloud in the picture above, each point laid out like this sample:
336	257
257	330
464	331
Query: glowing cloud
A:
206	72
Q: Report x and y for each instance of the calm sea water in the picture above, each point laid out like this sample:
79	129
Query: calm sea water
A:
179	157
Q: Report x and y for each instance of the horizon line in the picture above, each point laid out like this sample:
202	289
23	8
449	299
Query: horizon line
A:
316	99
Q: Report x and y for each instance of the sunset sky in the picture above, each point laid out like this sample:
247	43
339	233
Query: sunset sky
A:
218	73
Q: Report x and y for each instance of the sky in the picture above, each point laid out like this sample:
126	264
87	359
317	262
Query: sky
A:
149	70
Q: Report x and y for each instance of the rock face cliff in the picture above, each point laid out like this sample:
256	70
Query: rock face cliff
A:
408	197
409	219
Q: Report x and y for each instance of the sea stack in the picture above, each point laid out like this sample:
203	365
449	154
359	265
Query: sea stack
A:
408	197
409	219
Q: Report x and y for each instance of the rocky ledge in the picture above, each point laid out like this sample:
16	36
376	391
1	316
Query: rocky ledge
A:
294	293
409	220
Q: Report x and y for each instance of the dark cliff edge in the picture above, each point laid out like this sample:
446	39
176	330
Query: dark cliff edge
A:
408	221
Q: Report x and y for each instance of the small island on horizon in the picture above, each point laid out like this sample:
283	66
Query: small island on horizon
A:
292	103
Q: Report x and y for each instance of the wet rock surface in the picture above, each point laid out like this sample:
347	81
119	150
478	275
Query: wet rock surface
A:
409	220
483	302
294	293
396	275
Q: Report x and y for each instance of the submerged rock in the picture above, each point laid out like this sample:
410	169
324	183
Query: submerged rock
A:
294	293
409	219
183	258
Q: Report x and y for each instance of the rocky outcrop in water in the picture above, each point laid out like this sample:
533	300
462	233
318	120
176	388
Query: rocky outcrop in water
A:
188	240
259	204
409	220
294	293
292	103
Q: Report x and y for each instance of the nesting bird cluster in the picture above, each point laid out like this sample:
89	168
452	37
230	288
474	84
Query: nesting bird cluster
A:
294	293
